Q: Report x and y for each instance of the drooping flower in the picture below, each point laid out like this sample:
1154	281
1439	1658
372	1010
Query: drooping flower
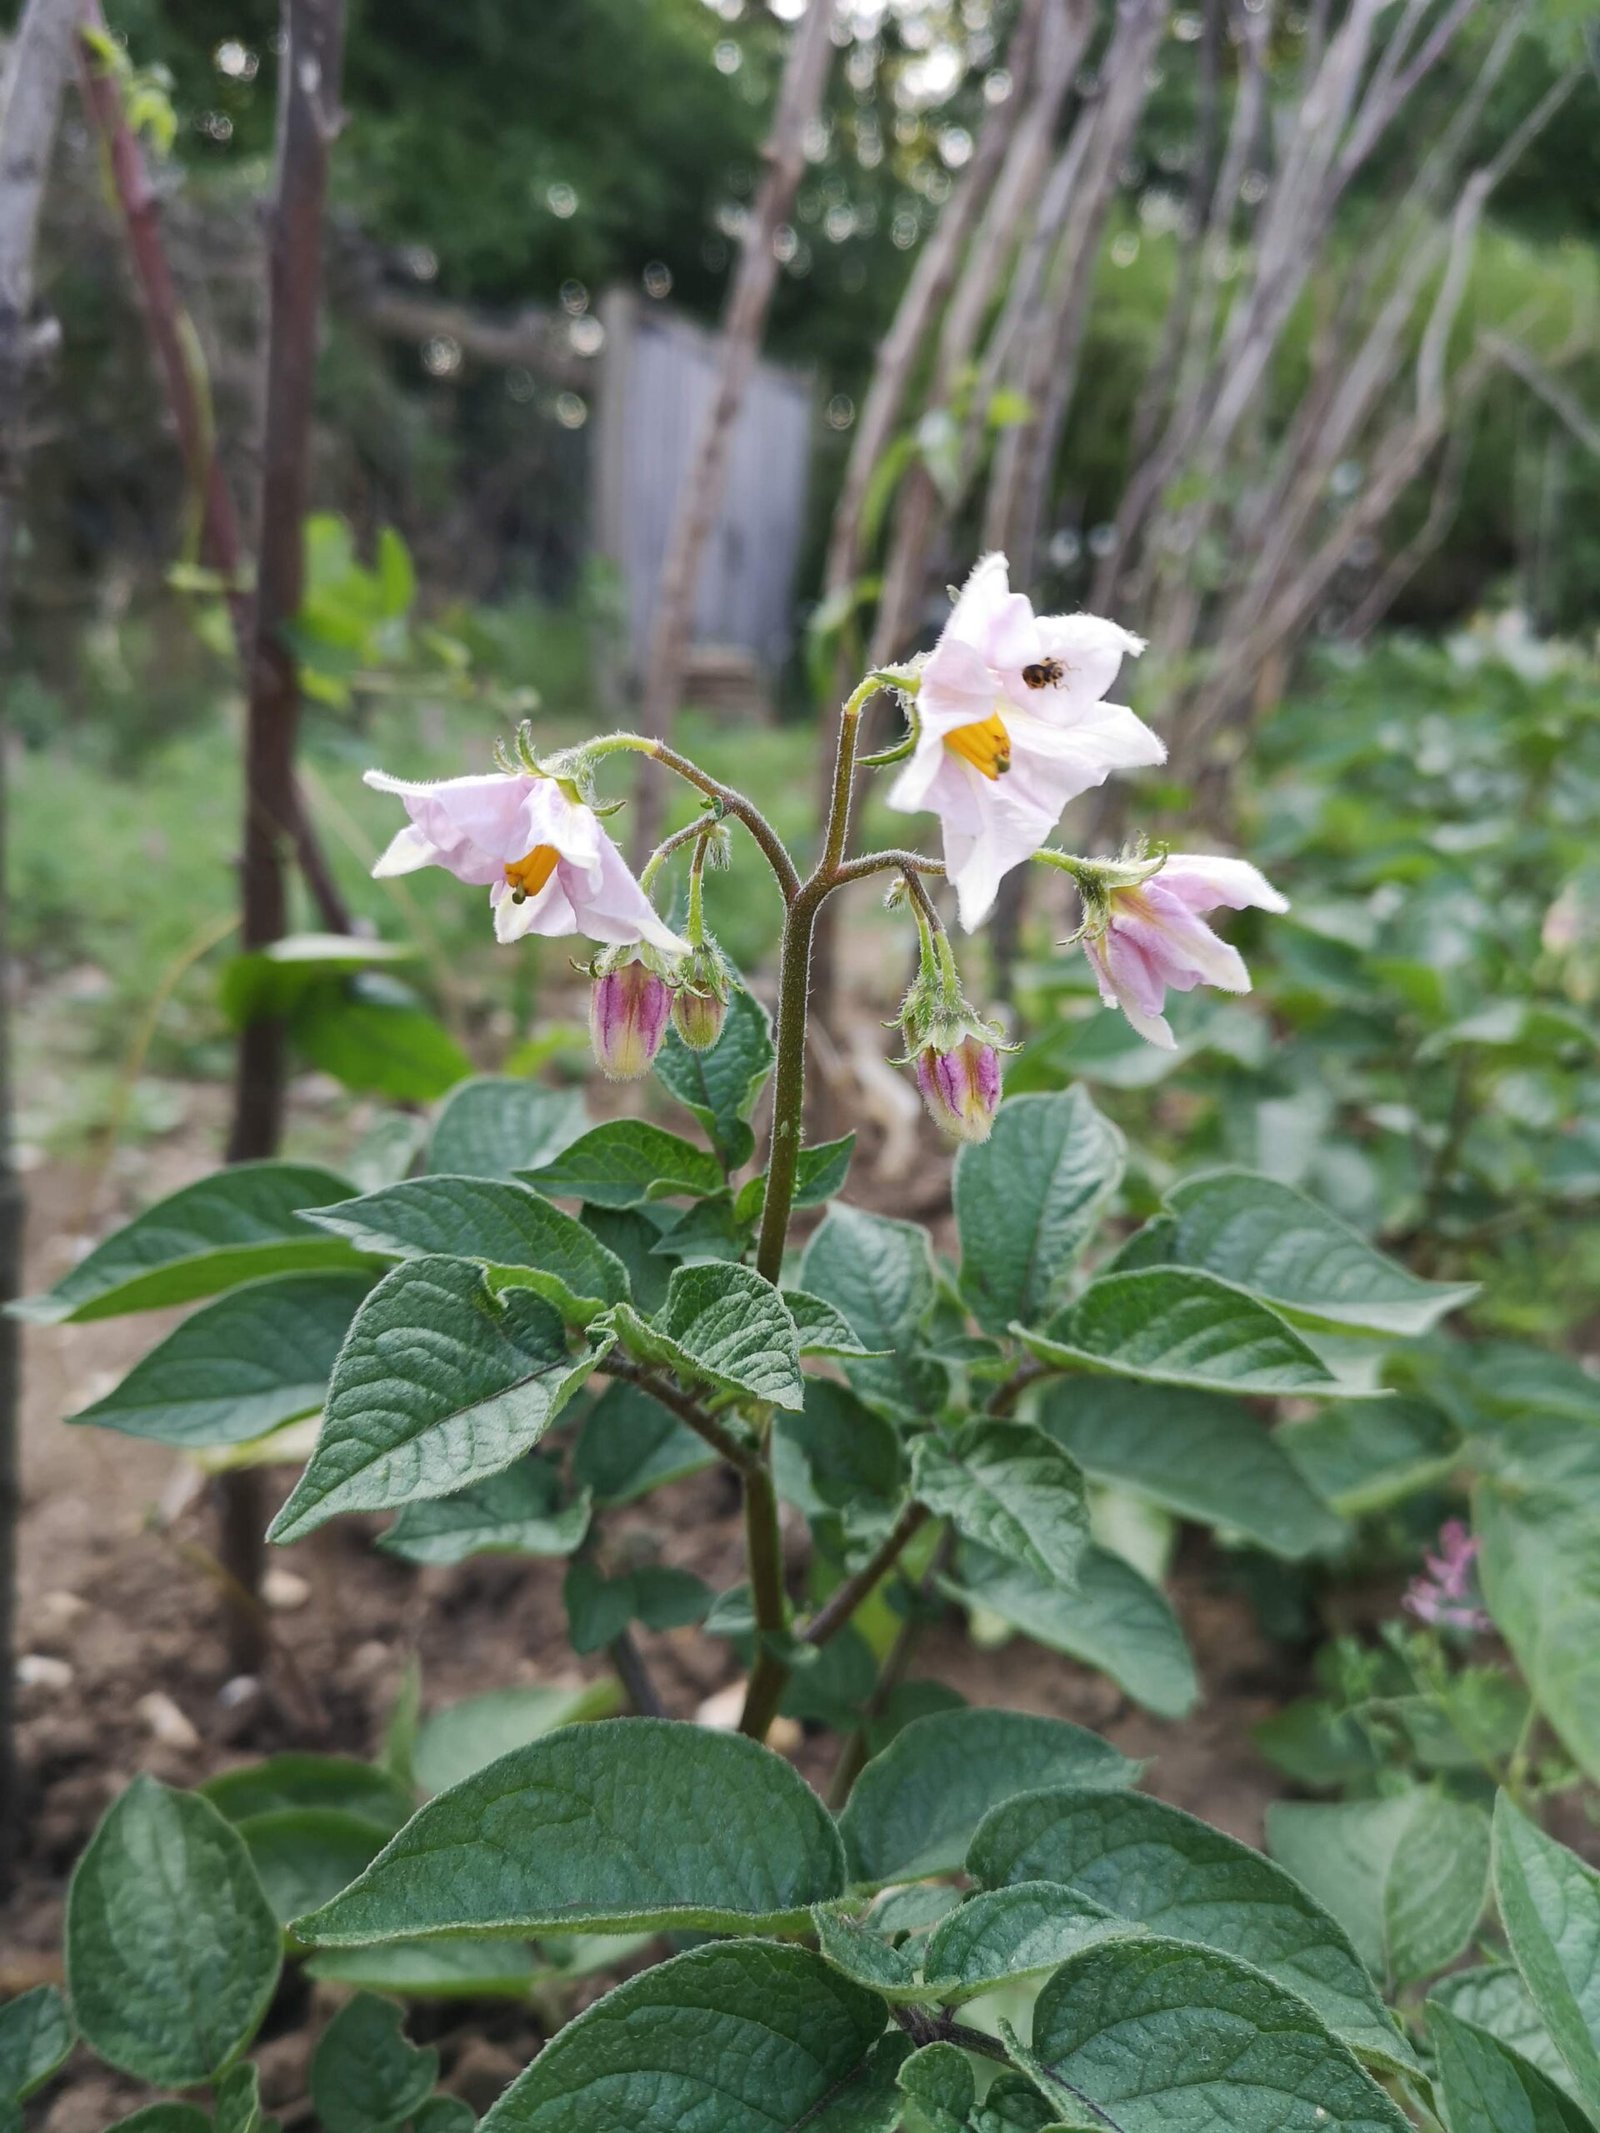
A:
703	982
961	1086
1011	725
544	856
1147	936
1447	1595
630	1004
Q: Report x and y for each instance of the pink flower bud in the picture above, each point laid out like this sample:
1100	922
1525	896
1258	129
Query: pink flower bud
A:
698	1016
628	1011
961	1087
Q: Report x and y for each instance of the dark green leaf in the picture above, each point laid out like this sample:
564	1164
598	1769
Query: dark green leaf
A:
165	2118
440	1384
1361	1456
494	1127
721	1326
1485	2089
1151	1865
1194	1453
625	1162
1027	1200
615	1827
1267	1238
1171	1326
1011	1489
1115	1620
744	2038
306	1855
269	983
1541	1577
1405	1876
632	1444
1158	2036
819	1173
519	1512
433	1969
864	1954
1000	1935
234	1226
1549	1902
254	1359
1493	1998
299	1780
239	2100
377	1039
35	2038
172	1949
496	1224
721	1086
879	1274
939	2089
634	1235
914	1807
851	1453
823	1329
465	1737
365	2076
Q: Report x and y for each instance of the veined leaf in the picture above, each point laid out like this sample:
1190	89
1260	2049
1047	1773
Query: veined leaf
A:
851	1453
999	1935
1151	1865
743	2038
1175	1326
172	1949
605	1828
880	1275
1027	1200
1194	1453
722	1326
439	1385
914	1808
1159	2035
819	1173
1273	1241
493	1223
1541	1577
1486	2089
1405	1876
35	2038
626	1162
366	2077
239	1367
823	1328
305	1855
1493	1998
1549	1903
1115	1620
1362	1457
494	1126
632	1444
299	1780
234	1226
1011	1489
461	1738
433	1969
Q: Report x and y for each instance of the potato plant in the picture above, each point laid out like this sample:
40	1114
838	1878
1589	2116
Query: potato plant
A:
987	1924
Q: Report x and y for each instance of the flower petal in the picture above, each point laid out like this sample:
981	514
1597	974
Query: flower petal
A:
1202	881
1090	648
407	850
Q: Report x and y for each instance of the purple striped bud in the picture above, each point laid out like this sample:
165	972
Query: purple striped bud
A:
961	1087
629	1007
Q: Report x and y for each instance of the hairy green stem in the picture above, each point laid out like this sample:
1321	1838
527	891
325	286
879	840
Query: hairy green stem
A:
735	802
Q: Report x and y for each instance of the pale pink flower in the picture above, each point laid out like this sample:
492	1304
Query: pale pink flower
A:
1011	726
1447	1596
546	860
629	1008
1153	937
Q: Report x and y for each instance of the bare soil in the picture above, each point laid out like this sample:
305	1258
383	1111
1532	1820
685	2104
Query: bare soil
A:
126	1670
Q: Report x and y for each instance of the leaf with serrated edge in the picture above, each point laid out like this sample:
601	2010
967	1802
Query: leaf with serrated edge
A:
748	2037
1549	1902
439	1385
722	1326
1159	2036
35	2038
1009	1488
914	1808
1027	1200
604	1828
496	1125
234	1226
172	1949
493	1223
238	1367
1152	1865
1193	1453
1175	1326
1115	1620
626	1162
1485	2089
1281	1245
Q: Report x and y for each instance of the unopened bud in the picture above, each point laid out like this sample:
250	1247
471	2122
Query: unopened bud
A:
698	1016
961	1087
629	1007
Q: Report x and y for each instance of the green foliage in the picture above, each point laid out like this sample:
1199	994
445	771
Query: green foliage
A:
35	2038
365	2076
